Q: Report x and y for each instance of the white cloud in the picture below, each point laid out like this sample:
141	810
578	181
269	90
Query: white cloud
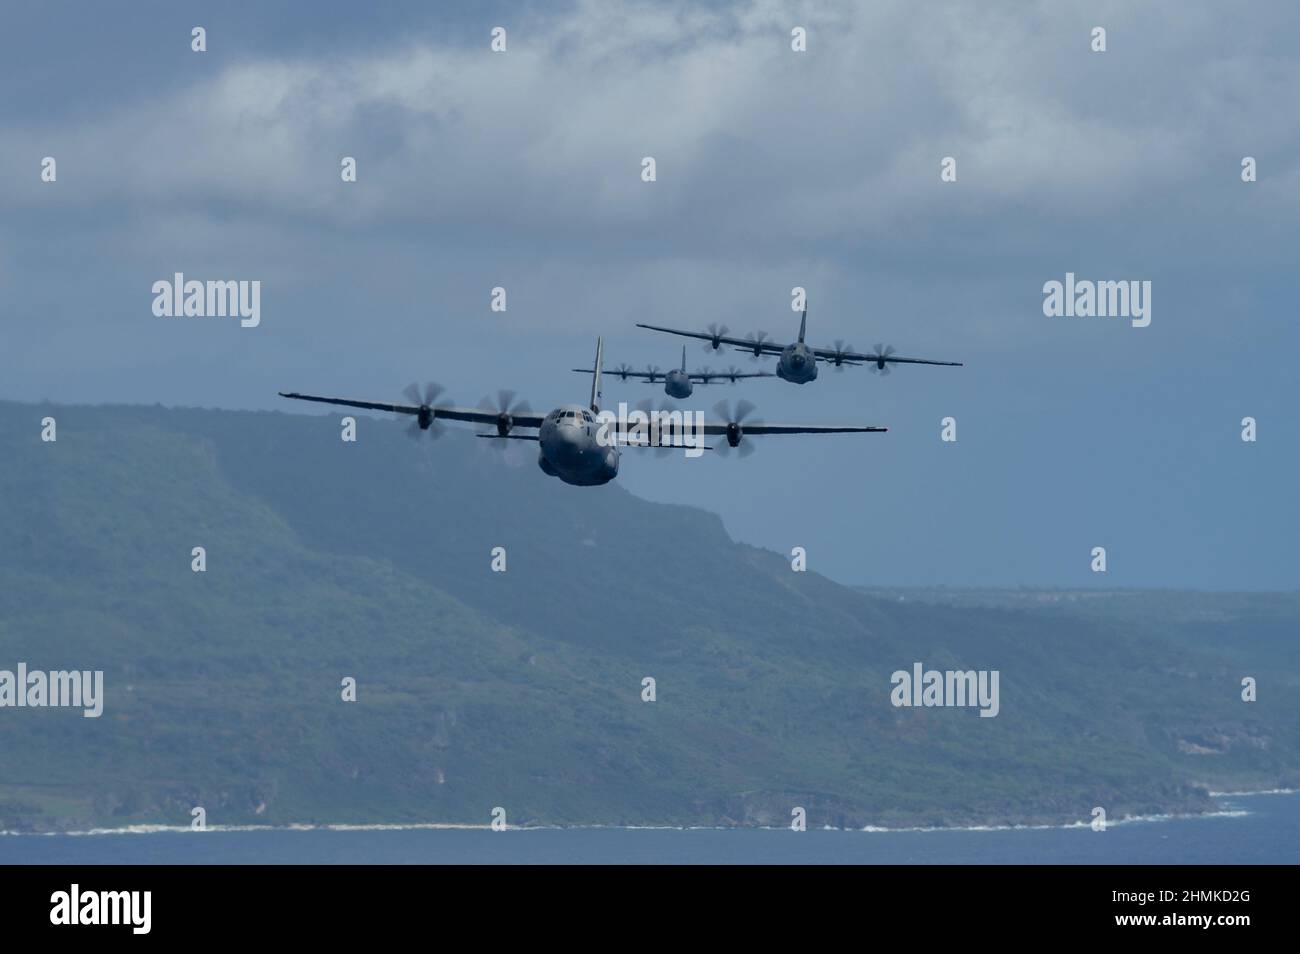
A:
843	140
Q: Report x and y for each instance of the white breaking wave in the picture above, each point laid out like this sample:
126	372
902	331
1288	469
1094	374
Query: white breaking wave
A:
1126	820
186	829
1266	791
446	826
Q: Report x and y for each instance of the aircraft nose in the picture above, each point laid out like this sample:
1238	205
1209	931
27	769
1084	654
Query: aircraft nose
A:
562	444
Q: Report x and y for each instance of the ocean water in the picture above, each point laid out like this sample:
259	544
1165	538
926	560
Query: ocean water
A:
1248	829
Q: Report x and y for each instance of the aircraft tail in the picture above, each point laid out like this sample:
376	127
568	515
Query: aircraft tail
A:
683	357
595	376
803	324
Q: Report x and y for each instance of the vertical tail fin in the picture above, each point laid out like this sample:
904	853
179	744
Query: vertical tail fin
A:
595	376
803	323
683	357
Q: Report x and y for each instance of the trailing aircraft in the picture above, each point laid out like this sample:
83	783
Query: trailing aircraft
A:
797	362
679	383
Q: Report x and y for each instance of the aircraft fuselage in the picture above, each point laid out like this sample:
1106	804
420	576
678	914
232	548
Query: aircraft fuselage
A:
677	384
797	364
569	448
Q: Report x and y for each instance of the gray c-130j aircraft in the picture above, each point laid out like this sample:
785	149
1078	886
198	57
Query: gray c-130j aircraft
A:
679	383
797	362
569	445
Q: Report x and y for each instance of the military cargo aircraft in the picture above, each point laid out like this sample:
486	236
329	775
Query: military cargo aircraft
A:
797	362
679	384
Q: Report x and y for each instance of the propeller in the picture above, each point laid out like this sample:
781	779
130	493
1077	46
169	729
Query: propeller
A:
647	407
425	420
654	374
755	342
735	426
879	358
841	349
623	370
706	375
506	408
733	372
716	333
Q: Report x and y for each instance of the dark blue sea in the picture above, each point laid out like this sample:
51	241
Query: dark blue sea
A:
1253	829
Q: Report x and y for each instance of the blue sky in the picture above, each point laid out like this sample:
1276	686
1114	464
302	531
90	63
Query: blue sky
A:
775	169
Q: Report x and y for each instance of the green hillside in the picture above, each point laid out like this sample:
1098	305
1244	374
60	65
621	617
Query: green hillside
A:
522	689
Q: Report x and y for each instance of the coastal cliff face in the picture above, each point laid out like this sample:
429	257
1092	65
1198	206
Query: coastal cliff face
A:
526	689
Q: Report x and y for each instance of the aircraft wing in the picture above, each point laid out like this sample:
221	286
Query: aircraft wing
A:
472	415
476	415
624	439
852	357
720	427
705	378
651	376
742	344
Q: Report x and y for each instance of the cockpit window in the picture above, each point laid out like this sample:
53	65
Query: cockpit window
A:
574	418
